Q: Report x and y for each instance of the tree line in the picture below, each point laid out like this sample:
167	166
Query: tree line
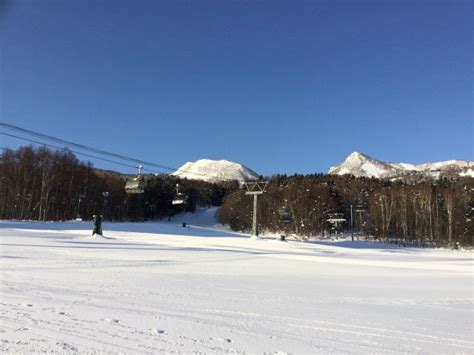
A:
50	185
437	212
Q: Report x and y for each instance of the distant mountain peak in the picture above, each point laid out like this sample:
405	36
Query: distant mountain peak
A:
215	170
357	157
362	165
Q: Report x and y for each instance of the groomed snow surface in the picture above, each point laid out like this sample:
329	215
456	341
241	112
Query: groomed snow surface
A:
158	287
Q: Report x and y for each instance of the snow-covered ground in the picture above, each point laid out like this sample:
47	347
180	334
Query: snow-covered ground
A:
158	287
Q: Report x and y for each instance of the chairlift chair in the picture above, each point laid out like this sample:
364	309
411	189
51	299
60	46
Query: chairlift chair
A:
135	185
180	198
285	213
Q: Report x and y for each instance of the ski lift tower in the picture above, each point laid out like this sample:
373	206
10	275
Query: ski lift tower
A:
360	209
256	189
336	220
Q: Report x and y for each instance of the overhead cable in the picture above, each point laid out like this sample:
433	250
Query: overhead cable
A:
64	149
98	151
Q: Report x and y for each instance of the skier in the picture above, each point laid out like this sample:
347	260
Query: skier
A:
97	220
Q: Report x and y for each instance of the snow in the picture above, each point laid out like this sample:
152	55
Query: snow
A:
359	164
157	287
356	158
468	172
215	170
446	164
405	166
372	170
435	174
344	171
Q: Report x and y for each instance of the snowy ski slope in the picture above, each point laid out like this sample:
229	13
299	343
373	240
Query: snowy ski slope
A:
160	288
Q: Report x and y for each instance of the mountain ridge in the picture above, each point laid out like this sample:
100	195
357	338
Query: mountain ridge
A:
362	165
215	170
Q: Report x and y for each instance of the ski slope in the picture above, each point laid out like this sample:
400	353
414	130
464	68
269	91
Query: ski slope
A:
159	288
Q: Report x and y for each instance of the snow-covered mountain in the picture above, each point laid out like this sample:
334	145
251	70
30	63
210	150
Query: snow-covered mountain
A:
362	165
215	170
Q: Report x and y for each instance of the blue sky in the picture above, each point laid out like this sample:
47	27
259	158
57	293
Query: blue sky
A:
280	86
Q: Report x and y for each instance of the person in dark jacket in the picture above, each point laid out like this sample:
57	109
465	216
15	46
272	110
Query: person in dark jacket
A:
97	220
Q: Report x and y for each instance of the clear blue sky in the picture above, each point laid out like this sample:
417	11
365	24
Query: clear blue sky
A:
281	86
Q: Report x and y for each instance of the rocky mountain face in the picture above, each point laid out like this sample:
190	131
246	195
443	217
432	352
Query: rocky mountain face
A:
362	165
215	170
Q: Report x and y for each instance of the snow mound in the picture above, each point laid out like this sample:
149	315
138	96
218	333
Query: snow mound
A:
215	170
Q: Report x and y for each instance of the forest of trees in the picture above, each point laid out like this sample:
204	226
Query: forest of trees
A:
50	185
437	212
46	185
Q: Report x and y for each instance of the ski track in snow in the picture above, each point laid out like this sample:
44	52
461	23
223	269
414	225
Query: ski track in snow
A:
158	288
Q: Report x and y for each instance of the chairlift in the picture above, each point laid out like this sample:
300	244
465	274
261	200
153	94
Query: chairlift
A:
336	220
285	214
179	198
135	185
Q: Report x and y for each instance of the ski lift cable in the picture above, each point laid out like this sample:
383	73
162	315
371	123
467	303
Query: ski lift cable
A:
100	151
138	189
79	146
94	150
64	149
74	151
